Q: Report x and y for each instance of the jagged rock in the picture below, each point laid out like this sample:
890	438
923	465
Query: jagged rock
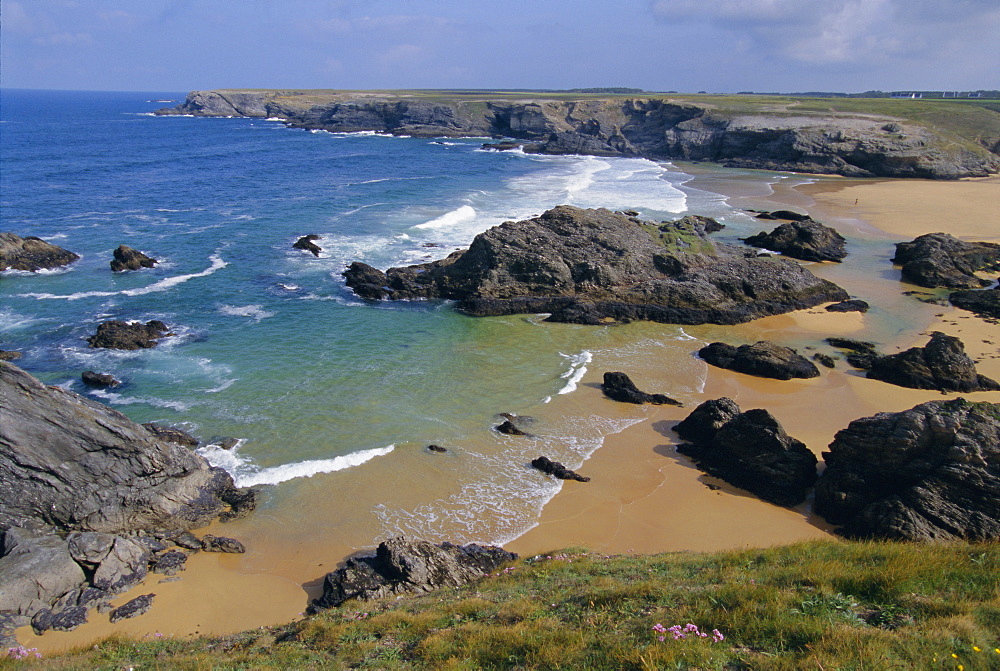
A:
595	266
133	608
855	305
171	434
31	254
863	353
824	359
619	387
210	543
72	463
127	258
169	563
9	355
941	364
941	260
749	450
985	302
926	474
151	543
10	621
401	566
66	619
128	335
306	243
116	564
36	569
763	359
557	470
183	539
786	215
806	239
241	502
94	379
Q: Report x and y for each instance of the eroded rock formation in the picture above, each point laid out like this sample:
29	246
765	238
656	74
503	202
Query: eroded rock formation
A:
941	260
31	254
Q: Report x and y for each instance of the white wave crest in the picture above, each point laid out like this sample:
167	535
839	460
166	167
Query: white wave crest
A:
118	399
246	474
577	369
457	216
255	312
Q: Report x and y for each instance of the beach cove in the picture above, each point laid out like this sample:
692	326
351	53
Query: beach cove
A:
642	497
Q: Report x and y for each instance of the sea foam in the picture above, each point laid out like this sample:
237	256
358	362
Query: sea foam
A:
246	474
457	216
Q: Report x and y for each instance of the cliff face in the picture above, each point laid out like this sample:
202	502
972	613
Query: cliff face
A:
856	145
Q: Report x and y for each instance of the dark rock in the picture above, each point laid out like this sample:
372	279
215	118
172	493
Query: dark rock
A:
116	564
786	215
619	387
763	359
509	428
31	254
172	434
930	473
127	258
226	443
211	543
241	502
856	345
595	266
169	563
436	448
67	619
401	566
306	243
749	450
183	539
557	470
95	379
941	364
69	462
151	543
9	355
854	305
941	260
807	240
128	335
824	359
985	302
36	569
133	608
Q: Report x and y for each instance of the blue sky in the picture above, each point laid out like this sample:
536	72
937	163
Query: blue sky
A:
657	45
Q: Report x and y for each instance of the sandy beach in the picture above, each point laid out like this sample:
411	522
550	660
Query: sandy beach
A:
644	497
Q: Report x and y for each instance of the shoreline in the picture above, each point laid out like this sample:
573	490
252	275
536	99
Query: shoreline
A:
643	497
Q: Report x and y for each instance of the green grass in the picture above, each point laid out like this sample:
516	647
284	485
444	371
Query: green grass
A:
817	605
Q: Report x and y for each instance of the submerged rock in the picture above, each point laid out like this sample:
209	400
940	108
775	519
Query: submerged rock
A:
984	302
94	379
32	254
928	473
762	359
619	387
749	450
941	260
595	266
556	470
805	239
128	335
941	364
127	258
401	566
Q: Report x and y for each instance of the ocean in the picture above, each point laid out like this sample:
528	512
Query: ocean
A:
333	401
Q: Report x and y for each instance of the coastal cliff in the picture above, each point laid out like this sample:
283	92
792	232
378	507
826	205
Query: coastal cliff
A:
887	140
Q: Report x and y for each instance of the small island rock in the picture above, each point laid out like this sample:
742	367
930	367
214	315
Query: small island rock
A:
127	258
807	240
306	243
762	359
128	335
32	254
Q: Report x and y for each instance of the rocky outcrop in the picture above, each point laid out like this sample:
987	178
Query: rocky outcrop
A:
128	335
749	450
32	254
127	258
556	470
171	434
855	145
941	260
763	359
984	302
211	543
401	566
102	380
807	240
306	243
596	266
619	387
941	364
853	305
926	474
133	608
9	355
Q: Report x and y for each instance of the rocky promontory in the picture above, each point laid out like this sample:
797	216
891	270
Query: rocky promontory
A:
32	254
779	136
597	266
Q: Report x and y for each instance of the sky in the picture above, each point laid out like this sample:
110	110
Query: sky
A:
722	46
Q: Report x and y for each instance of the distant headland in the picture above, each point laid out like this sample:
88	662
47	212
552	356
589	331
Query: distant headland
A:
947	138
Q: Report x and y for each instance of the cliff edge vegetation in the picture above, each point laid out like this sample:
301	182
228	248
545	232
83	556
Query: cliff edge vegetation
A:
857	137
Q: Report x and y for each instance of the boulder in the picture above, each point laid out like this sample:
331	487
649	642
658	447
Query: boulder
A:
556	470
807	240
941	364
102	380
619	387
183	539
127	258
115	564
306	243
31	254
36	569
749	450
402	566
929	473
985	302
169	563
854	305
133	608
211	543
128	335
787	215
171	434
941	260
67	618
596	266
763	359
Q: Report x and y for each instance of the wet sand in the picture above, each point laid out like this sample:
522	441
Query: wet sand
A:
643	497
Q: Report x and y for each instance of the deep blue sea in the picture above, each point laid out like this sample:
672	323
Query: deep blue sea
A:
332	399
